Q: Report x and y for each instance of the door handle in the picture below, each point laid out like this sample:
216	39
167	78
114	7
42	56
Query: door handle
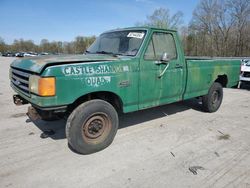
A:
178	66
163	72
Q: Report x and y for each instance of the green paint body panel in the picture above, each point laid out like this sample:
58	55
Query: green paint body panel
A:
134	80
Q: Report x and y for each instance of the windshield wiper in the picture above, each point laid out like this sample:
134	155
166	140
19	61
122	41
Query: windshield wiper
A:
87	52
104	52
108	53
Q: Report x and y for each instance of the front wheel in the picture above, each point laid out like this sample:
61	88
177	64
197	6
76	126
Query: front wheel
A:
212	101
92	126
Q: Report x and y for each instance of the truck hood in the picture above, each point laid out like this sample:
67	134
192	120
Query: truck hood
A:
37	64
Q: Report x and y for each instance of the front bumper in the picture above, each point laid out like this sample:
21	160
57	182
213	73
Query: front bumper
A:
18	100
42	103
246	79
19	81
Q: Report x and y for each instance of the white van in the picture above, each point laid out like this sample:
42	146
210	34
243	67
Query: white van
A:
245	71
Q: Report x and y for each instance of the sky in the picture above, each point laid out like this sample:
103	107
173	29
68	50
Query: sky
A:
65	19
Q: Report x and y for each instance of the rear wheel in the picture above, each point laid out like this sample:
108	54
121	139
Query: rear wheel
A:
212	101
92	126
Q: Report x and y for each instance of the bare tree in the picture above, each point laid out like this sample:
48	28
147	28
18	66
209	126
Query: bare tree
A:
240	10
23	45
44	45
161	18
212	18
79	45
3	46
218	27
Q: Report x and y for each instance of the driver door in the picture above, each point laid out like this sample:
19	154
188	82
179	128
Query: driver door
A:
160	82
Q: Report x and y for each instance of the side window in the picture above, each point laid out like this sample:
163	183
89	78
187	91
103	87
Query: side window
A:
160	43
164	42
150	54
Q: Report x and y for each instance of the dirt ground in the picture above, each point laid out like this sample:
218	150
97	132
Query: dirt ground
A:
175	145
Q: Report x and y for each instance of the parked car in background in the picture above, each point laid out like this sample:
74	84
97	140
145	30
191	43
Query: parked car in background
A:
8	54
19	54
44	53
245	72
30	54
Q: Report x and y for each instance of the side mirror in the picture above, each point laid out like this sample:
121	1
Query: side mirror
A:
165	57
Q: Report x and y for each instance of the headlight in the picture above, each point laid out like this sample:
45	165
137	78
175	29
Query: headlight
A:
42	86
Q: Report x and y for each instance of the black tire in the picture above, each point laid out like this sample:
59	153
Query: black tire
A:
92	126
243	85
212	101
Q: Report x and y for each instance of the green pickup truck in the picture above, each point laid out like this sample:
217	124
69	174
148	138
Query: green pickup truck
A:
124	70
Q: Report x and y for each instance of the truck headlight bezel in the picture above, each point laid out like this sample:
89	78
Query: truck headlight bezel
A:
42	86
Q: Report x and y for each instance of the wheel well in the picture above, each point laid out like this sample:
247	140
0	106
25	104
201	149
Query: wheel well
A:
222	79
109	97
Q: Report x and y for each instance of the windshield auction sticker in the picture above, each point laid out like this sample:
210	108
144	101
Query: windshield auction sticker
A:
136	35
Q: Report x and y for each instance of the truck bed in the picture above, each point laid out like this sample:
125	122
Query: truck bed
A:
201	73
213	58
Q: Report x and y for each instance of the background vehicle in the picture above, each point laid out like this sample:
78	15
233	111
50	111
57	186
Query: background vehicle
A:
20	54
8	54
245	72
44	53
30	54
124	70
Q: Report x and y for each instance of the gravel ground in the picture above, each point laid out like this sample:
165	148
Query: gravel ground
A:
175	145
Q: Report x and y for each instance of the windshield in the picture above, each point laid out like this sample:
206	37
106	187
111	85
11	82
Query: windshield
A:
118	43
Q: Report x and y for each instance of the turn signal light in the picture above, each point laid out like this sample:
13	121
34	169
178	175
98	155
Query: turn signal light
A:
47	86
44	87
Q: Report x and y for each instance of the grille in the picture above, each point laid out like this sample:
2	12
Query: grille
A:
246	74
20	79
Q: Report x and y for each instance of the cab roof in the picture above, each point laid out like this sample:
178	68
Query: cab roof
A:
140	28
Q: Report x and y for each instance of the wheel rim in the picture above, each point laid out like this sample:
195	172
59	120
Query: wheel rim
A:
96	128
215	97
